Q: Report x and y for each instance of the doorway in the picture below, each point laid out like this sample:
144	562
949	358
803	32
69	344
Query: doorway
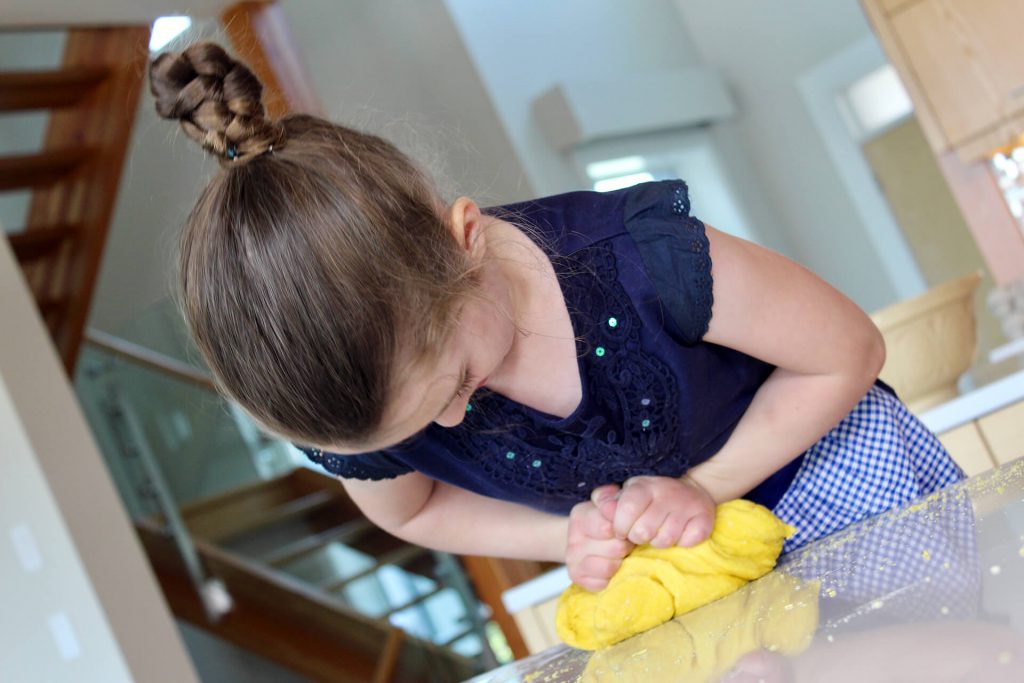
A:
869	128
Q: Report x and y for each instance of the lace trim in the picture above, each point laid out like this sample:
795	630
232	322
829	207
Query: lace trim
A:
699	245
357	466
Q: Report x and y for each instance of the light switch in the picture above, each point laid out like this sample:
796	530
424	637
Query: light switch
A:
64	635
26	548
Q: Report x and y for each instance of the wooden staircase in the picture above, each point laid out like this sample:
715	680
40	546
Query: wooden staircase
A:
92	99
249	537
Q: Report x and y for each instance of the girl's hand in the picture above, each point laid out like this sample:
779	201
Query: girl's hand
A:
663	512
593	553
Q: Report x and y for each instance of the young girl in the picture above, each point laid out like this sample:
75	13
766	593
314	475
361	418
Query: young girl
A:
557	379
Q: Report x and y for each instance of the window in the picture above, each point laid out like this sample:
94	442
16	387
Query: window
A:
875	102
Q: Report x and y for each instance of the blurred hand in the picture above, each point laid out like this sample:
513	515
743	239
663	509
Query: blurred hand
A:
593	553
663	512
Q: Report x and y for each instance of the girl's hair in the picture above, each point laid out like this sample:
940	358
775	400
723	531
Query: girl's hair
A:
314	263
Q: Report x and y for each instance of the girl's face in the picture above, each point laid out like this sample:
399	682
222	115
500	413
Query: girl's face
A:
474	356
479	352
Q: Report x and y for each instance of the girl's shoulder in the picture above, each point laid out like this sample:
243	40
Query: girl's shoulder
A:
649	224
571	221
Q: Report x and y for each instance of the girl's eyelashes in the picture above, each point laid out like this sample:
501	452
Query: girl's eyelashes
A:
467	386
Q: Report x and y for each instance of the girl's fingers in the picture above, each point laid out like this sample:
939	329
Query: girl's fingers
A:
698	528
670	532
632	504
614	548
593	573
596	560
586	520
601	493
648	525
591	584
605	498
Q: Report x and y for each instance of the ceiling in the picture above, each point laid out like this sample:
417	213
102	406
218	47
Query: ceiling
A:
43	13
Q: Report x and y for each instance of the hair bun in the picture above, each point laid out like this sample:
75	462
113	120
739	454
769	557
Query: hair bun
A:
218	100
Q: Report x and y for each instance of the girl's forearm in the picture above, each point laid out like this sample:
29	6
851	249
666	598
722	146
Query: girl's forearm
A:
789	413
458	521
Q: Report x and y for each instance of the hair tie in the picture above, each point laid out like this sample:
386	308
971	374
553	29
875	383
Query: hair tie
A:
232	152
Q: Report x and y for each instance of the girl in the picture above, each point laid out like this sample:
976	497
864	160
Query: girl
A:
557	379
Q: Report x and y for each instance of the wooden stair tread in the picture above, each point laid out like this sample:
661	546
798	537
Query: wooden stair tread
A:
53	305
217	529
399	557
37	243
303	546
26	90
292	623
42	169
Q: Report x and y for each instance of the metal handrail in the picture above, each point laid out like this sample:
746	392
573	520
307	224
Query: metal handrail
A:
211	591
153	360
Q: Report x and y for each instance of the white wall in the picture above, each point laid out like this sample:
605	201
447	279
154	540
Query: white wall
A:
763	48
523	47
778	164
391	67
399	69
163	175
87	605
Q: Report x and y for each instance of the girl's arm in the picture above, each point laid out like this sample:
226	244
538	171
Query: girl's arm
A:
420	510
433	514
827	351
828	354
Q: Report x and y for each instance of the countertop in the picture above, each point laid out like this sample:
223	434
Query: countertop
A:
975	403
929	592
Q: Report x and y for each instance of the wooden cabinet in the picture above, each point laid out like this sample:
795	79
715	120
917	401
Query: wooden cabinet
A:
968	449
988	441
962	63
1003	432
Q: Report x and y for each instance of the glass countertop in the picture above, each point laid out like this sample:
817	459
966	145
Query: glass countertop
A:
930	592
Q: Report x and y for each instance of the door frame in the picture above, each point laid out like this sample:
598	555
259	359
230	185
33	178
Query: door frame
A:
820	87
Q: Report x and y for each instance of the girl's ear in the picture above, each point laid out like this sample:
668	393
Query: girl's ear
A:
467	222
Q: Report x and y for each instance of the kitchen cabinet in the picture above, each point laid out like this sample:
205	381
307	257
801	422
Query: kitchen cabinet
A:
1003	432
982	429
968	449
536	623
962	65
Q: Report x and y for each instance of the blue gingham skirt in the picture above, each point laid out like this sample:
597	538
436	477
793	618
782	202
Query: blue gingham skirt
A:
880	456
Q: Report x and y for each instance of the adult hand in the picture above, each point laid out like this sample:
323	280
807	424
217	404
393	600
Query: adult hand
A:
663	512
593	553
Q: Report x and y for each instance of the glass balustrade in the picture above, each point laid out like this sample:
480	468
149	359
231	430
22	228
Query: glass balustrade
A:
204	447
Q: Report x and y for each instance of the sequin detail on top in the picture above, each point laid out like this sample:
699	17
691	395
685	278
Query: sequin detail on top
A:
630	398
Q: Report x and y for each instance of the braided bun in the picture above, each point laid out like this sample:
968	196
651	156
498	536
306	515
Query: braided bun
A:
218	101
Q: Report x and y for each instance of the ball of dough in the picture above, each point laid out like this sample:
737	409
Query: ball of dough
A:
654	585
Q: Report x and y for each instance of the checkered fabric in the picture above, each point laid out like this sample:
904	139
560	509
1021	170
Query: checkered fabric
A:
917	563
879	457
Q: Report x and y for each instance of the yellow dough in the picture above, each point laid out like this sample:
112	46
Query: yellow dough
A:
654	585
779	614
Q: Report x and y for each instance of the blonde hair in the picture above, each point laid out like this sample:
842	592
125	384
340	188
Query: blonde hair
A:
313	259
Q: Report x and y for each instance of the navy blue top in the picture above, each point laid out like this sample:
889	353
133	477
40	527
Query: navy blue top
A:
635	271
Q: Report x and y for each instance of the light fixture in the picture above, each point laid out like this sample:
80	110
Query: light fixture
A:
166	29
